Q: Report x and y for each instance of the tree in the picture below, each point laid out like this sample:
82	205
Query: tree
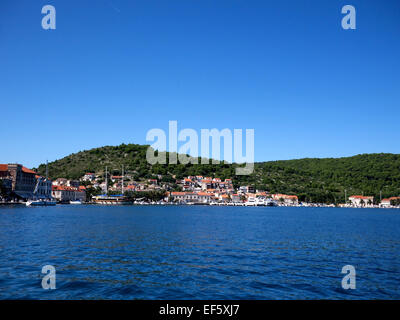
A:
316	180
2	189
395	202
90	192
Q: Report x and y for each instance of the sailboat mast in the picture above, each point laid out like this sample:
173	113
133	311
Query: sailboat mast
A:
106	182
47	170
122	187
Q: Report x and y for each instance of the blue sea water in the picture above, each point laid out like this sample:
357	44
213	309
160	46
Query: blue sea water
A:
198	252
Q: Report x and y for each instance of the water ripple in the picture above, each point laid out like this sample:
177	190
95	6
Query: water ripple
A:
198	252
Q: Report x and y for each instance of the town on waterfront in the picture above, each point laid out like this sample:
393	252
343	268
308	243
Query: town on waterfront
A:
194	156
20	185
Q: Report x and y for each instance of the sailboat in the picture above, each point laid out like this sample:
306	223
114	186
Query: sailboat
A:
44	201
106	199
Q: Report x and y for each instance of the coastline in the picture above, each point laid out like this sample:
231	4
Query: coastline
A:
313	205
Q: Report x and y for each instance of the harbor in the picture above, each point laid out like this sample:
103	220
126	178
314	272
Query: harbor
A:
21	185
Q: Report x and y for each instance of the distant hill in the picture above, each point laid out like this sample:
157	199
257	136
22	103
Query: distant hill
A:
312	179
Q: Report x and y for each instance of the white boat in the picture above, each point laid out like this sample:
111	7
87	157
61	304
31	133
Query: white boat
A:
75	202
43	201
34	203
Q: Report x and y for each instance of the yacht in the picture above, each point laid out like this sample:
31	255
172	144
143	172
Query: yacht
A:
112	199
41	201
106	199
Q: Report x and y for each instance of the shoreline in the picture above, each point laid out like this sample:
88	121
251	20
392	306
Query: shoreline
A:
206	204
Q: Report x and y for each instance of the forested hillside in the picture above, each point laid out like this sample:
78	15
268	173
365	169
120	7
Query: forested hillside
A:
312	179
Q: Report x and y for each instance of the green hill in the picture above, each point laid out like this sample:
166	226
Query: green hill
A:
312	179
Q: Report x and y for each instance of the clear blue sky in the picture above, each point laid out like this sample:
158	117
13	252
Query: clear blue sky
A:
114	69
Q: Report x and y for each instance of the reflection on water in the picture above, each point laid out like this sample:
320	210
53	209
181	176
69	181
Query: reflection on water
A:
178	252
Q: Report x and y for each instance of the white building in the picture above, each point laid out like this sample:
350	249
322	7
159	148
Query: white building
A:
66	193
60	182
89	177
361	200
287	199
388	202
247	189
199	197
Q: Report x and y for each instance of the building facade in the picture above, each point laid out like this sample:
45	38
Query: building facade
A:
192	197
90	176
23	180
361	200
43	188
286	199
389	201
66	193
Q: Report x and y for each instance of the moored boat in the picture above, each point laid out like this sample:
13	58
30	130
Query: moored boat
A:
75	202
45	202
112	200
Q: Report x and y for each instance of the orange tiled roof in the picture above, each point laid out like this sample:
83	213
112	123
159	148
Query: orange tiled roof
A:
64	188
176	193
284	196
261	193
4	167
204	194
26	170
391	198
361	197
